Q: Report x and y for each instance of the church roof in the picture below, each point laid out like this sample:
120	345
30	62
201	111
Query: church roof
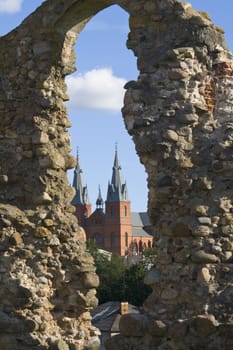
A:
140	219
81	192
139	232
117	190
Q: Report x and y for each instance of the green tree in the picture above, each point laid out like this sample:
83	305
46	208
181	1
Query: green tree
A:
136	291
111	273
118	280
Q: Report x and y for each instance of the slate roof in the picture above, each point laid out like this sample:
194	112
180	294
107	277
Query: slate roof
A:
106	317
139	232
117	190
81	192
140	219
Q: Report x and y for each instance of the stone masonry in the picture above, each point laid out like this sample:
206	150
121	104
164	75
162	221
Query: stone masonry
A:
180	115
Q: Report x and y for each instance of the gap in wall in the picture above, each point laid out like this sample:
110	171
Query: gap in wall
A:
104	65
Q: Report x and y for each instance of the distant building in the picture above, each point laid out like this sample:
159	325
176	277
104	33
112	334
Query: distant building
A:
115	229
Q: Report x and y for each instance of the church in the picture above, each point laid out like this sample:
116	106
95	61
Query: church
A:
112	226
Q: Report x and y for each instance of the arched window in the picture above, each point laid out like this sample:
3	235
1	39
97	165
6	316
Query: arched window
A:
126	239
112	210
125	210
140	246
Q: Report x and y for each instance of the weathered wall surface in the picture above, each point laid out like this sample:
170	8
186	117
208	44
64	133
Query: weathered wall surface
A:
179	113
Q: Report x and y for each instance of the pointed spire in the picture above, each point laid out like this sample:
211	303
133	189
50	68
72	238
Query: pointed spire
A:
81	192
99	201
116	171
117	190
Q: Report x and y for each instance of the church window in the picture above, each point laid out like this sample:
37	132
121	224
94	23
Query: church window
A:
125	210
140	246
126	239
112	211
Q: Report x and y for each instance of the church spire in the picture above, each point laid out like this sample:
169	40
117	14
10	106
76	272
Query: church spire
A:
117	190
99	201
81	192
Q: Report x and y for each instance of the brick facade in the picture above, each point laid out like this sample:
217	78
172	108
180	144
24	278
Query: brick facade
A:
113	228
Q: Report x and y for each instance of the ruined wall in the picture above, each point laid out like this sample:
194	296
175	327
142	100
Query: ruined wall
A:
179	113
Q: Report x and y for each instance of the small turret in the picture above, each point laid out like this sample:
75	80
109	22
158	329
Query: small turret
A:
81	193
99	201
81	198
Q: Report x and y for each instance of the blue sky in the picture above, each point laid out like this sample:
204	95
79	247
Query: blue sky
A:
104	64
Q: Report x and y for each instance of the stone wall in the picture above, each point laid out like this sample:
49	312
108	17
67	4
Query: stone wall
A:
179	113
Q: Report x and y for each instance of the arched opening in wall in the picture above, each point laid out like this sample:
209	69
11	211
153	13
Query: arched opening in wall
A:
104	65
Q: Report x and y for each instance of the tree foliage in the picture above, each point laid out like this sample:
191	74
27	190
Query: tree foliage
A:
118	280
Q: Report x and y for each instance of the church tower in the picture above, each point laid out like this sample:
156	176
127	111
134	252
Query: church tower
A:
118	226
81	198
113	228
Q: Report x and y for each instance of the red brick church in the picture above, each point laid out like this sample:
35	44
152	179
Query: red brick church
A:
115	229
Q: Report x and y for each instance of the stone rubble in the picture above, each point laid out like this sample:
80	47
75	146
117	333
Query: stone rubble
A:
180	115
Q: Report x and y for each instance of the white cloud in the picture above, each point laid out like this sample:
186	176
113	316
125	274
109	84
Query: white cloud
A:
10	6
97	89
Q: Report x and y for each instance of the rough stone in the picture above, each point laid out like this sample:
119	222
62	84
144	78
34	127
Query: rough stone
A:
201	231
42	232
204	275
152	277
157	328
178	329
179	114
16	238
93	344
91	280
201	256
132	325
169	293
61	345
205	325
